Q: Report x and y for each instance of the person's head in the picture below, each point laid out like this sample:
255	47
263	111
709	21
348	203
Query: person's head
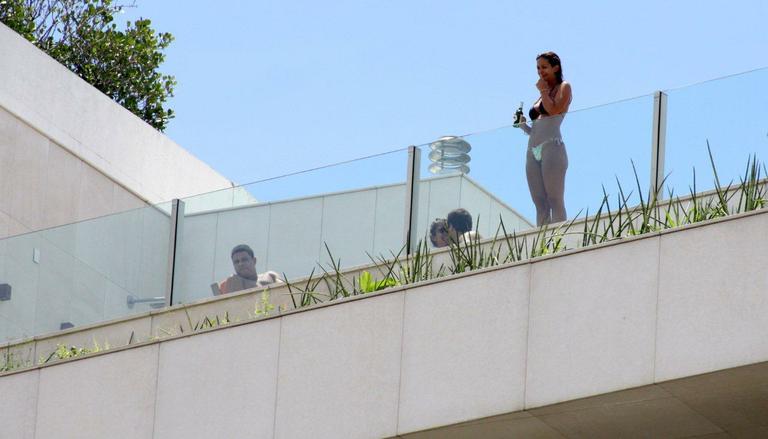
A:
438	232
244	262
459	222
549	68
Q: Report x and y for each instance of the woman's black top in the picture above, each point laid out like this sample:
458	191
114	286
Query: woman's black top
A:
538	108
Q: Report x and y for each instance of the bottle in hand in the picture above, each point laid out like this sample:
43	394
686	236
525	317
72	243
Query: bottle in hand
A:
519	114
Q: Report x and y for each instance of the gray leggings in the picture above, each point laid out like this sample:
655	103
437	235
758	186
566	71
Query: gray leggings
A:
546	181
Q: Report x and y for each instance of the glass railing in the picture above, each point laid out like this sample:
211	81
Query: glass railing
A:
356	208
729	115
84	273
608	146
500	179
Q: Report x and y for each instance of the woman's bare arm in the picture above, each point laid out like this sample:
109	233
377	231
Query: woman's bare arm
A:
523	125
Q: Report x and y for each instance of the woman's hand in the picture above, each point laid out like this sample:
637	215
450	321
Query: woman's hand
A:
522	122
542	86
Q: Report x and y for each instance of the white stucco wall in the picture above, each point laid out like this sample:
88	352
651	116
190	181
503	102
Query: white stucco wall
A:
62	107
44	185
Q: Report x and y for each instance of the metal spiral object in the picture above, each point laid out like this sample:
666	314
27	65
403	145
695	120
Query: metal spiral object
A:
450	154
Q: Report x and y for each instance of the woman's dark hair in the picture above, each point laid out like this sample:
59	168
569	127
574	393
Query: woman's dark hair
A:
460	219
553	60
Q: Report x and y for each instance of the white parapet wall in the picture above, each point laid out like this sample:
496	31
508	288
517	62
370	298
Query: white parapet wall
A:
45	95
615	316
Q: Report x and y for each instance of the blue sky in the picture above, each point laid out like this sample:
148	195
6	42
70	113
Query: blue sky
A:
267	88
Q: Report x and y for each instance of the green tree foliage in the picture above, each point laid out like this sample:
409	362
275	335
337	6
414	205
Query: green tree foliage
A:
83	36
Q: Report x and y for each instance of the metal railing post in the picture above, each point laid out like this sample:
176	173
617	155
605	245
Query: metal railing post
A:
412	198
658	142
177	222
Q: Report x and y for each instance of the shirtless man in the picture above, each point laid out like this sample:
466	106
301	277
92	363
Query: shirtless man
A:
245	276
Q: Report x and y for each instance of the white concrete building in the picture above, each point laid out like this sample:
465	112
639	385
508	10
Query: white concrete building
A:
68	152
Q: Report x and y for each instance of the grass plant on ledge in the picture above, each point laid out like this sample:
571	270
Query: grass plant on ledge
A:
10	361
64	352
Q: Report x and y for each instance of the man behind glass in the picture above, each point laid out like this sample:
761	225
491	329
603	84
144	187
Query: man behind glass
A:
245	276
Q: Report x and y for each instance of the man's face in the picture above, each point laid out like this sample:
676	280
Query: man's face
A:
245	265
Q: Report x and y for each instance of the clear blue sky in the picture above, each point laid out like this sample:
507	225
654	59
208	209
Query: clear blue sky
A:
266	88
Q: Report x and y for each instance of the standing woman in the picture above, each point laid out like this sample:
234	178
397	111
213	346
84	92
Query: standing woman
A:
546	160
